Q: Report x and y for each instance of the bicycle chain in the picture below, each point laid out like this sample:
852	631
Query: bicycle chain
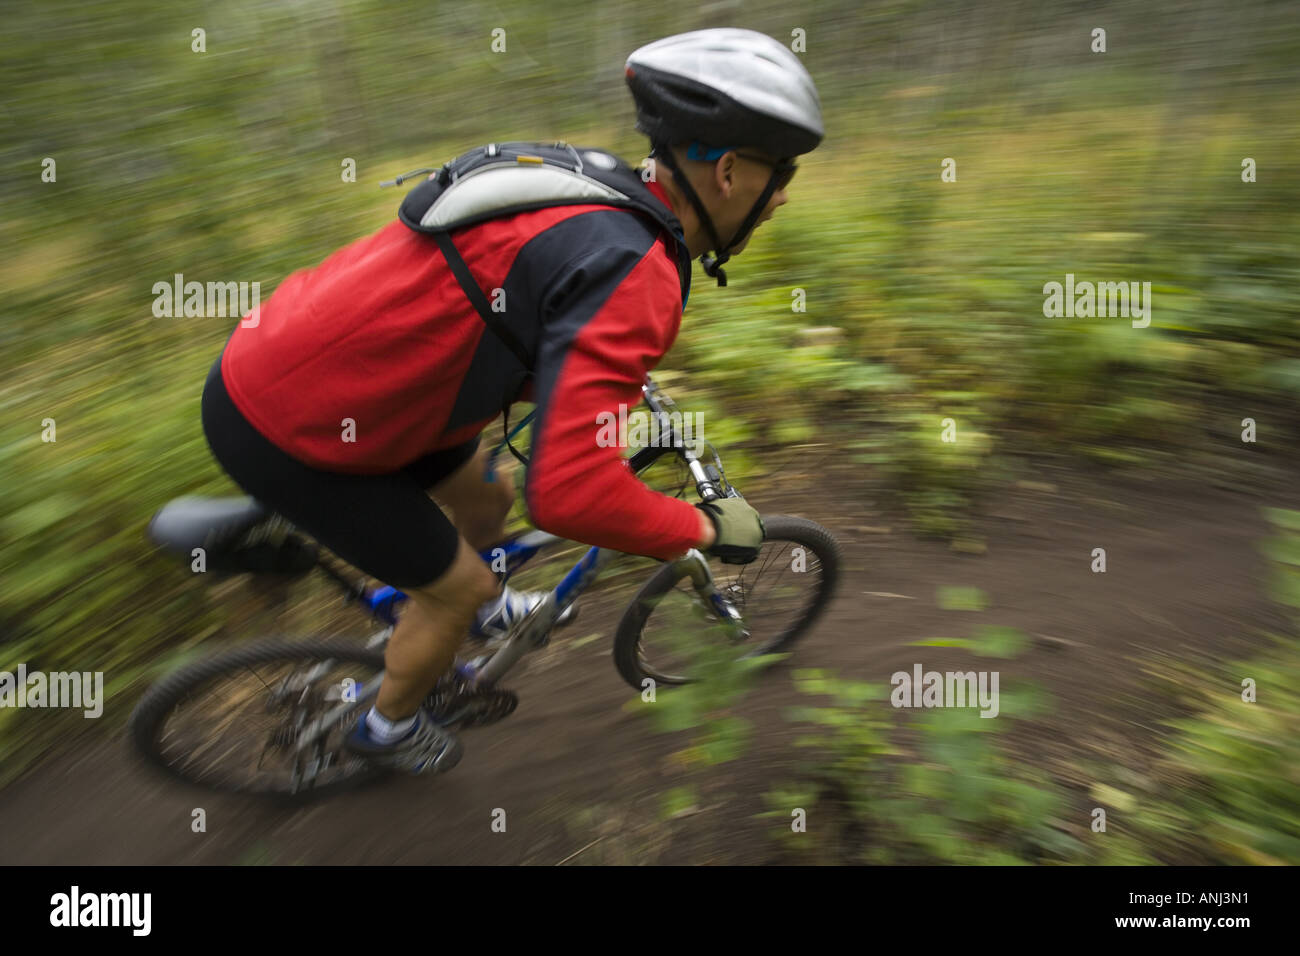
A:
455	702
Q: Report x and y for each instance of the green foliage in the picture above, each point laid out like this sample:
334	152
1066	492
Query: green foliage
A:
704	707
677	801
961	598
1284	550
954	796
988	642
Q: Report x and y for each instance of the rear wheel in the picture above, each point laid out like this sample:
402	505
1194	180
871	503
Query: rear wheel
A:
232	722
779	596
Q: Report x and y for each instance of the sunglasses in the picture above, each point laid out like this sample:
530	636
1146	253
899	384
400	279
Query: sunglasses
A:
782	169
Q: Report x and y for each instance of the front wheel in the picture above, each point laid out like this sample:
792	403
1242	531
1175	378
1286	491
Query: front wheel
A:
779	596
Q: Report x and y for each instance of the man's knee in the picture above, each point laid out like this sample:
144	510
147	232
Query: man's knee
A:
466	584
468	493
492	500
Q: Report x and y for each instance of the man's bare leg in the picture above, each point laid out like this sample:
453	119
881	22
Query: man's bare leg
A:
429	632
437	616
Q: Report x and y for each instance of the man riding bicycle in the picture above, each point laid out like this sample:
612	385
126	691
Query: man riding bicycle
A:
364	383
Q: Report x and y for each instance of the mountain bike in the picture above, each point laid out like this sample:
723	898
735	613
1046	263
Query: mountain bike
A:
269	717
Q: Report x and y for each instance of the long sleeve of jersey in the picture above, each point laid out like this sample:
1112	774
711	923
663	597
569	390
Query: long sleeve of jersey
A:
610	315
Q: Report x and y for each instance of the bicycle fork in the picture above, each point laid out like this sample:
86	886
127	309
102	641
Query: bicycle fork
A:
693	566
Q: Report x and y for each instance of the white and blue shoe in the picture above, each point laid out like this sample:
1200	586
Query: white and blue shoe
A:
498	616
425	748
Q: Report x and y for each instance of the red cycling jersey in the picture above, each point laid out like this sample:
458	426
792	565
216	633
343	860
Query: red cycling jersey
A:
376	357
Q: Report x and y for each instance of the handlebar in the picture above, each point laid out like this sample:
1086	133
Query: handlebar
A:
710	481
708	478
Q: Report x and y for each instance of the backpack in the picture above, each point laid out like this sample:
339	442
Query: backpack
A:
502	179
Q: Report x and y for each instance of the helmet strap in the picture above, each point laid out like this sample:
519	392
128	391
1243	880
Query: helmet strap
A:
712	264
756	211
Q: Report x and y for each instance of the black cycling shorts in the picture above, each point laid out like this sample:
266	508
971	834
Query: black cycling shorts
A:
385	525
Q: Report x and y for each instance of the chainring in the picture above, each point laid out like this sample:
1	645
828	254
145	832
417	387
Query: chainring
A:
455	702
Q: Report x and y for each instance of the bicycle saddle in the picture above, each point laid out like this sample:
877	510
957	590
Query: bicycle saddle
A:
196	522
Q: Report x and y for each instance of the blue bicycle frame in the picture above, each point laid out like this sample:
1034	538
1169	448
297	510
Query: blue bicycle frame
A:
533	631
382	602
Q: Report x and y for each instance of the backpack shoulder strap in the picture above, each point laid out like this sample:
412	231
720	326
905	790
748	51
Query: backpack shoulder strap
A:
502	179
476	297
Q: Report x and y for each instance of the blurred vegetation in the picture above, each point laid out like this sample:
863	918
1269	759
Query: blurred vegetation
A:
706	708
923	298
1223	790
954	796
1227	788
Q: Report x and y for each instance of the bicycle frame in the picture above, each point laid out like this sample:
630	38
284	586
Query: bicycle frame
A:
535	629
382	602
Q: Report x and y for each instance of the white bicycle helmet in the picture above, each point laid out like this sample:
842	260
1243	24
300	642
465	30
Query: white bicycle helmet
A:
715	90
725	88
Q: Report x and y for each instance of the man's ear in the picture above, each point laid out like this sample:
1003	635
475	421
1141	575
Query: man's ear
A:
724	173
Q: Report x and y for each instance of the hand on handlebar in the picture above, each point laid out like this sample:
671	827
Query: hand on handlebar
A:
738	530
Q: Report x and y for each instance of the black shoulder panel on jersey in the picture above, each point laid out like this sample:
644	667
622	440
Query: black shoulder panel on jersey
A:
545	279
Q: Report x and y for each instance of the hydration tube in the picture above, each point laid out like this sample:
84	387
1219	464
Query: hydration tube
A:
490	472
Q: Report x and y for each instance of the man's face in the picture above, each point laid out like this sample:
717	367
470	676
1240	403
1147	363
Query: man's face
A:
740	178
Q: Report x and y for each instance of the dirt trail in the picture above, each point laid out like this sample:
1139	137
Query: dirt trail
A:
581	778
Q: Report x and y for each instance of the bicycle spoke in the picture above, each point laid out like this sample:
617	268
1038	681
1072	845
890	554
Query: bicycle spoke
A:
240	729
770	603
